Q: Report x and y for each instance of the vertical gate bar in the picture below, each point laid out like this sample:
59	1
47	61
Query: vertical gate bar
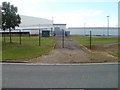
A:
63	38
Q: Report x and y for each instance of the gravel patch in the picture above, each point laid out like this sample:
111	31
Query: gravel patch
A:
71	53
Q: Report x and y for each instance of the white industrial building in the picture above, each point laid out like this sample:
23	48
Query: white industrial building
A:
29	23
33	24
59	29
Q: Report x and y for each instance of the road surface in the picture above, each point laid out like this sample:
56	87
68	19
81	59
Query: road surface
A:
60	76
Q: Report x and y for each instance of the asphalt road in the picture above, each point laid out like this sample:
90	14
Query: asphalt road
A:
60	76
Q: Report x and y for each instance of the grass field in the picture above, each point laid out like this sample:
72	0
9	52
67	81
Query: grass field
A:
99	49
28	49
84	40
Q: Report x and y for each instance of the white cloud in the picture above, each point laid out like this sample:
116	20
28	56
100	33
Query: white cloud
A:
75	18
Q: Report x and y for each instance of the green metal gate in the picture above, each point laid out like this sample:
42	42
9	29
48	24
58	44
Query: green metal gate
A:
45	33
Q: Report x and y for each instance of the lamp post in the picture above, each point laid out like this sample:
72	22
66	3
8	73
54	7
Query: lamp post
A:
108	25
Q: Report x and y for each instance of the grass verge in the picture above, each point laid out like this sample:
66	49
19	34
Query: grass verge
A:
28	49
85	40
100	51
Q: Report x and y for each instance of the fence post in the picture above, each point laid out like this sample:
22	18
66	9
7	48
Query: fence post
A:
10	35
62	38
29	34
90	39
20	36
4	36
39	38
51	31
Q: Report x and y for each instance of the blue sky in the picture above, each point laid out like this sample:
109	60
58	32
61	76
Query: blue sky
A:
72	12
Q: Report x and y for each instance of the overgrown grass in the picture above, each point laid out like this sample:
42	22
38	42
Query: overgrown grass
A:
29	48
115	54
85	40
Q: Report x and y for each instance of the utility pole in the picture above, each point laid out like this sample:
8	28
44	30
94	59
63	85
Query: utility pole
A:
52	20
108	26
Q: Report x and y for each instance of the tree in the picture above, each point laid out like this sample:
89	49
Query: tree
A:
0	17
10	18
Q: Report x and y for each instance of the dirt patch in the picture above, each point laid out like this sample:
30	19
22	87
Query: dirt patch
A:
73	52
102	52
105	48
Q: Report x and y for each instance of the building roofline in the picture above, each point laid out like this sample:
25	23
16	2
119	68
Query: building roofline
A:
92	27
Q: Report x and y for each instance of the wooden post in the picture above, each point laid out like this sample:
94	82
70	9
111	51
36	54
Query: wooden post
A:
39	38
62	38
90	39
20	36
